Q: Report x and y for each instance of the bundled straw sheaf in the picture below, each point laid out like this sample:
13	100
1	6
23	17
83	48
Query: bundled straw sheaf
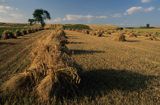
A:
153	38
52	71
8	35
119	37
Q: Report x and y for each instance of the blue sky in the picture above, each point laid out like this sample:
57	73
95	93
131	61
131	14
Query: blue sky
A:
119	12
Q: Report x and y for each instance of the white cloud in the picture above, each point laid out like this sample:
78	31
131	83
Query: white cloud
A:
78	17
57	20
10	14
146	1
149	9
133	10
71	17
16	15
5	9
138	9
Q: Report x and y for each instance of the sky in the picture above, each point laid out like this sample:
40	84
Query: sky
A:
118	12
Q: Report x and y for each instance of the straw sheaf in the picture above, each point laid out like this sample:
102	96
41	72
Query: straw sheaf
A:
52	69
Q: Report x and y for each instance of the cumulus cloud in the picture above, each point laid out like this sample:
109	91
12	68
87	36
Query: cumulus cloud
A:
138	9
72	17
78	17
10	14
5	9
133	10
149	9
58	20
146	1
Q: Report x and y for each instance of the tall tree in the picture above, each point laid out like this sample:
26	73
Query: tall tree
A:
31	21
41	15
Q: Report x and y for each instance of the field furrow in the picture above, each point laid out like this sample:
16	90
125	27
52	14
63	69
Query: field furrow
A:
15	57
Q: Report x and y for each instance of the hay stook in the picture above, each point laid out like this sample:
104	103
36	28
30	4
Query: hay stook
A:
52	72
119	37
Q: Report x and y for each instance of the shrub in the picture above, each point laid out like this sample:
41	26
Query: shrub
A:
76	27
120	28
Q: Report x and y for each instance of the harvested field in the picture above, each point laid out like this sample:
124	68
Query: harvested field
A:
75	52
100	49
121	73
112	72
14	54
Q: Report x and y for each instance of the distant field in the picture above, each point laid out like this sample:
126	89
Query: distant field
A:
146	30
102	27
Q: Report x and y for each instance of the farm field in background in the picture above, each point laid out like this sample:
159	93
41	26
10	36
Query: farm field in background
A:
146	30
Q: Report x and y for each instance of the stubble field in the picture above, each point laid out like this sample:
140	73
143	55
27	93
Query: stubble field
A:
114	73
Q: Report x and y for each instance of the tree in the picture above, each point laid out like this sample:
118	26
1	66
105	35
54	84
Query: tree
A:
148	25
31	21
41	15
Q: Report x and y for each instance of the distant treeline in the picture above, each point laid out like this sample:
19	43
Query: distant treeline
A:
139	27
75	26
